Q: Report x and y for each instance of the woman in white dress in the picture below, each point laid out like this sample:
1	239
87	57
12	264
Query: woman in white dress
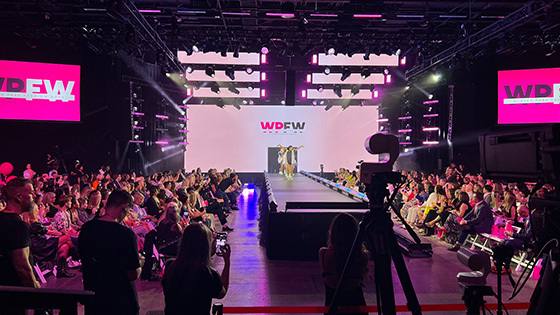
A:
282	159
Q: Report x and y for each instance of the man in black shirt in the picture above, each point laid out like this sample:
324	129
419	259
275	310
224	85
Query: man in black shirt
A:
15	269
110	259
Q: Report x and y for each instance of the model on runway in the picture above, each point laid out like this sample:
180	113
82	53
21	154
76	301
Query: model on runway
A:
291	161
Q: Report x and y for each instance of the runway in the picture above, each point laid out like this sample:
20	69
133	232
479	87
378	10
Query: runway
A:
304	189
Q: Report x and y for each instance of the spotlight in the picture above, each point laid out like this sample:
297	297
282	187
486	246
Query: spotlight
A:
264	50
220	103
365	73
215	88
372	88
352	52
386	71
345	74
249	70
236	52
230	73
320	88
134	109
237	106
233	89
366	55
331	51
328	107
430	96
337	90
136	136
362	103
345	106
322	103
189	69
167	74
314	102
283	102
250	87
244	102
327	70
407	88
251	102
355	90
136	123
195	48
223	51
210	71
436	77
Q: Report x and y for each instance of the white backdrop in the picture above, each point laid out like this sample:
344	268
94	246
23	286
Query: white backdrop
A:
221	138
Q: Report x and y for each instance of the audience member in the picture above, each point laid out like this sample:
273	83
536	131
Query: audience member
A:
480	220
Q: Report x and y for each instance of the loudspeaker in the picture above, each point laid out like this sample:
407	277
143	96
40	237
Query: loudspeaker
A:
290	87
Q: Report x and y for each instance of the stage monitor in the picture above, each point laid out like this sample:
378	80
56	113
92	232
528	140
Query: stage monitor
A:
529	96
247	140
39	91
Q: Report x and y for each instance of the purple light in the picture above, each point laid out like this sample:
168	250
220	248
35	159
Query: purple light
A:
137	114
263	93
183	106
183	130
430	102
308	78
431	115
405	117
383	120
185	143
405	130
368	16
384	131
149	11
162	117
162	142
263	76
136	141
323	15
182	118
304	93
315	59
282	15
237	13
137	127
430	128
430	142
405	143
264	59
388	79
376	94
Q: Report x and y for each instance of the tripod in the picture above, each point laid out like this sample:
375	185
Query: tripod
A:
377	226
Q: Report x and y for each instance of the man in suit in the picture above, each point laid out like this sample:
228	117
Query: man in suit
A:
478	221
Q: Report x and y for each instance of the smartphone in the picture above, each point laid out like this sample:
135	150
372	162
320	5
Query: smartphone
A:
221	241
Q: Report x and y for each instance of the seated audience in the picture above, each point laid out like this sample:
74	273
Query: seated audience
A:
480	220
169	231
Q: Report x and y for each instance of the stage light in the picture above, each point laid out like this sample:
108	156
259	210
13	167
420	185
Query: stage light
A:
331	51
135	123
264	50
320	88
366	55
236	52
263	93
237	106
362	103
365	73
263	76
210	71
388	79
314	59
189	69
403	61
386	71
136	137
355	90
322	103
337	90
230	73
308	78
436	77
244	102
195	48
189	91
303	93
249	70
233	90
264	59
251	102
283	102
430	96
327	70
345	74
314	102
328	107
134	109
215	88
407	88
250	87
372	88
376	94
167	74
220	103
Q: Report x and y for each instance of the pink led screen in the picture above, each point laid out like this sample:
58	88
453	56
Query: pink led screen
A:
529	96
39	91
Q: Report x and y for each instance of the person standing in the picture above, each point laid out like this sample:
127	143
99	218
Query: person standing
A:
110	259
15	268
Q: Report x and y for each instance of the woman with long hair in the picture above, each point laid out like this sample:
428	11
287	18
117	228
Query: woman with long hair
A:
190	282
332	259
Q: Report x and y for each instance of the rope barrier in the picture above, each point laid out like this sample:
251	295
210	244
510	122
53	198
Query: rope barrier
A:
352	309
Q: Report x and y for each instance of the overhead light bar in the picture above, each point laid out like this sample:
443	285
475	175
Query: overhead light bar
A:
282	15
430	128
237	13
191	12
430	142
162	142
149	11
431	102
410	16
381	120
95	10
405	117
368	16
323	15
453	16
162	116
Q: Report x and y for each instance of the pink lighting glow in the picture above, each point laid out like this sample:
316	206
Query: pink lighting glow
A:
282	15
162	117
149	11
182	118
263	93
430	128
237	13
403	61
431	115
383	131
264	59
405	130
39	91
323	15
388	79
405	117
405	143
184	143
183	130
376	94
430	102
430	142
183	106
162	142
367	16
137	127
263	75
189	92
137	114
304	93
136	141
315	59
308	78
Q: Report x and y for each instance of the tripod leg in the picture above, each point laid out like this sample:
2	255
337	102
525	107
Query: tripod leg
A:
404	277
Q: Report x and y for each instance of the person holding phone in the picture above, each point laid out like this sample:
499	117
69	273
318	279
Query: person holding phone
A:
190	282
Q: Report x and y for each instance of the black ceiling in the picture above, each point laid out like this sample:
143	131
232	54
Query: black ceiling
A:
420	27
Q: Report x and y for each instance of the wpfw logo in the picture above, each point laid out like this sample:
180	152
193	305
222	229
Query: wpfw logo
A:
14	88
533	94
277	127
